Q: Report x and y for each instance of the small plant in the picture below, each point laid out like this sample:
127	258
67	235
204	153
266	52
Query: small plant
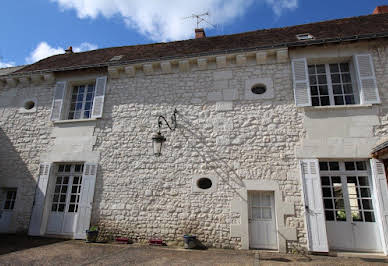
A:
93	228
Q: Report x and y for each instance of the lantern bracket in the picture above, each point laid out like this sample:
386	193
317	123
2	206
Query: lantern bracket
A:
171	125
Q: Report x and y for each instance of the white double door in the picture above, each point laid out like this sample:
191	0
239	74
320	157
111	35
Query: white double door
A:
262	222
65	197
350	212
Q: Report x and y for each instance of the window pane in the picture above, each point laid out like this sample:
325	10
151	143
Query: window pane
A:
326	192
365	192
367	204
61	168
337	190
312	69
348	89
266	212
55	198
349	166
361	165
325	181
334	166
7	205
63	198
314	90
91	89
256	213
344	67
363	181
87	114
339	203
335	78
320	69
329	215
349	99
322	79
61	207
337	89
64	189
323	166
341	215
313	80
54	207
325	101
339	100
334	68
328	203
356	215
315	101
323	90
346	78
369	217
71	207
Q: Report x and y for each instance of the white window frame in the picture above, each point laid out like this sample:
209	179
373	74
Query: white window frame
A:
353	77
342	172
69	100
68	94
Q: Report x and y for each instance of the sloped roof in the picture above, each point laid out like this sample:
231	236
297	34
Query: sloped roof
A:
8	70
363	27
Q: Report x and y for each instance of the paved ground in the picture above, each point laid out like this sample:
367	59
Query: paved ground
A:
22	250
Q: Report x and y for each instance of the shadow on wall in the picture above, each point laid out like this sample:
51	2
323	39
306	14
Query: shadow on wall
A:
14	173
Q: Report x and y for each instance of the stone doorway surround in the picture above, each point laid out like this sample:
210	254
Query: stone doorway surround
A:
240	206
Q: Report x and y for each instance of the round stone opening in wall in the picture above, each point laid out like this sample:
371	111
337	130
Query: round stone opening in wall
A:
204	183
259	89
28	105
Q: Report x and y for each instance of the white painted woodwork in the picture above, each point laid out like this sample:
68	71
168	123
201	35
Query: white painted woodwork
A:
315	218
301	82
40	196
381	196
86	200
59	94
262	221
366	79
98	101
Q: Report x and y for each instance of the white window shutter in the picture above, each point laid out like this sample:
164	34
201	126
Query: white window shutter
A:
366	79
40	196
381	195
98	102
86	199
314	210
59	92
301	82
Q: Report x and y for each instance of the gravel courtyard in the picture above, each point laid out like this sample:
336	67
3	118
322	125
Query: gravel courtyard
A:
23	250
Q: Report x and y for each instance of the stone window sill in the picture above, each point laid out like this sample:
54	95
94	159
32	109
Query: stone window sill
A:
336	107
74	121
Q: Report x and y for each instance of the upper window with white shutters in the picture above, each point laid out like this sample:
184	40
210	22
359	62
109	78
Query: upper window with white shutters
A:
331	84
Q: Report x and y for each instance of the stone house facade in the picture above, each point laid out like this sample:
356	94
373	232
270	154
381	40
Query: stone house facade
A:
272	148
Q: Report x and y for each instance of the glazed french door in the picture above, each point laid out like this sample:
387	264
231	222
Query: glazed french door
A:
349	206
65	197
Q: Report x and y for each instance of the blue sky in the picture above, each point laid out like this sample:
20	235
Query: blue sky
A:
32	30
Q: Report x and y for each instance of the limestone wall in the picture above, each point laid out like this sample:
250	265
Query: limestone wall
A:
141	195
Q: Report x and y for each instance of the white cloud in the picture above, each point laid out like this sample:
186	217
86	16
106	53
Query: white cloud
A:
44	50
163	20
278	6
6	64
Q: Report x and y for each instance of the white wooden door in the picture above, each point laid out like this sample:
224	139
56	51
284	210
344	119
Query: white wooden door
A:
65	197
262	222
349	206
7	203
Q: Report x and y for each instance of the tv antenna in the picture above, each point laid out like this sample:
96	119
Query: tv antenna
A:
200	18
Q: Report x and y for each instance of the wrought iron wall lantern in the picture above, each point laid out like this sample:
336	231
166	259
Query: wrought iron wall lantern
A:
158	139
